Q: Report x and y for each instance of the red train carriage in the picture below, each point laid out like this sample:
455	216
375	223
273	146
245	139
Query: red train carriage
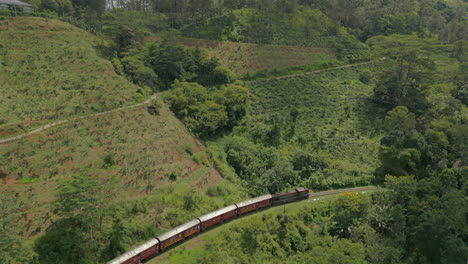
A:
138	254
153	246
177	234
254	204
218	216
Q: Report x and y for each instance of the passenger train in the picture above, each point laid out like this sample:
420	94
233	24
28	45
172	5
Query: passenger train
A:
156	245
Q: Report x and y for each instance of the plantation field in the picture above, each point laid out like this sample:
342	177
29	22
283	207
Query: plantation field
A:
336	121
139	158
51	70
243	58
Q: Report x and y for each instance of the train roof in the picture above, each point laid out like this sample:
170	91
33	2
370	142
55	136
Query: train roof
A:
254	200
302	189
135	251
178	229
217	213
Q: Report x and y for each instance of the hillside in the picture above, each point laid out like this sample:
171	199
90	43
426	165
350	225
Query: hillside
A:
302	26
336	121
51	70
244	58
138	151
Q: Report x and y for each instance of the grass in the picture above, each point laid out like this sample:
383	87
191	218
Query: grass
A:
50	70
336	121
133	148
244	58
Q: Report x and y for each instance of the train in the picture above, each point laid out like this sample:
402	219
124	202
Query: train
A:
156	245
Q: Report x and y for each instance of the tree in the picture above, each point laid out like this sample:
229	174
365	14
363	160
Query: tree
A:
402	84
347	209
79	205
399	118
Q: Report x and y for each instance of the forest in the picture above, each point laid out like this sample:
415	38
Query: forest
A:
250	97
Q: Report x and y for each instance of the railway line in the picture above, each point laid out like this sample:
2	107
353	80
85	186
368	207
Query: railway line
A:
334	192
171	238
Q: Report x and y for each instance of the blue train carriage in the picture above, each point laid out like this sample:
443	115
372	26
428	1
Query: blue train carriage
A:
254	204
138	254
179	233
297	194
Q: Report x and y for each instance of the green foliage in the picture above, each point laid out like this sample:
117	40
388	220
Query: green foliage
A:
400	118
303	26
12	248
138	73
207	114
401	85
201	158
145	23
348	208
324	124
173	176
175	62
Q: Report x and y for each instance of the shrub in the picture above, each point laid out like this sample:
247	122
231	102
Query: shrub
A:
173	176
139	74
201	158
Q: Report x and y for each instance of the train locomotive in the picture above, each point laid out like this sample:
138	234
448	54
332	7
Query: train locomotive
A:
156	245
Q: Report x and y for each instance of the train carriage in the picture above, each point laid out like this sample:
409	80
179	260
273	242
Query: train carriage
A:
218	216
290	196
254	204
171	237
138	254
179	233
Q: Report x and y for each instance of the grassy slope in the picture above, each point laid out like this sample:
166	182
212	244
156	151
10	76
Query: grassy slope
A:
337	119
145	150
243	58
50	70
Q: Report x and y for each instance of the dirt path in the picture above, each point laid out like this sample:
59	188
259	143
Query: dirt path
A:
7	140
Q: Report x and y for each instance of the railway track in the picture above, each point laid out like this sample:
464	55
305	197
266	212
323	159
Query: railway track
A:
333	192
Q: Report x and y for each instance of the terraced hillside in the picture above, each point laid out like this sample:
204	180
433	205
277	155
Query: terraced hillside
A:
243	58
51	70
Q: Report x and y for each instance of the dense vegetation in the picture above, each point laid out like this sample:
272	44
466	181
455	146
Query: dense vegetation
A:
408	222
96	186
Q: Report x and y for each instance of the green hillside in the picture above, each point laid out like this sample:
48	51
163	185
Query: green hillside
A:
51	70
249	58
303	26
336	121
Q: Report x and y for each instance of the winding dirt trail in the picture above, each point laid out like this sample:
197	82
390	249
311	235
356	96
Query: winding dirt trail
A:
35	131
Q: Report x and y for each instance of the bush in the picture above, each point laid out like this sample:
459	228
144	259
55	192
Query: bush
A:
139	74
173	176
201	158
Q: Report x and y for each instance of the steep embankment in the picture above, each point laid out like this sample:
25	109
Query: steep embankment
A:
51	70
135	150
